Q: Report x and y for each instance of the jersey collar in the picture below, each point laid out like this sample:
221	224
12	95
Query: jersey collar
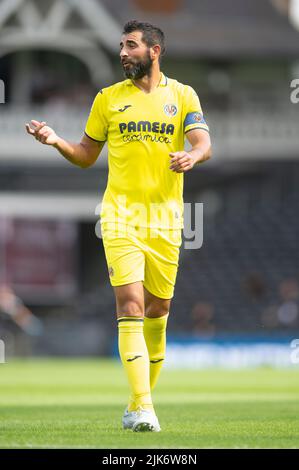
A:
163	81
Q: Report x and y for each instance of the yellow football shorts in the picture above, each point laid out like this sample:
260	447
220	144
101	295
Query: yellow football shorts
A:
142	254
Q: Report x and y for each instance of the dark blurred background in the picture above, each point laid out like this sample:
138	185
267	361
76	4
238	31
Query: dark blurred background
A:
241	58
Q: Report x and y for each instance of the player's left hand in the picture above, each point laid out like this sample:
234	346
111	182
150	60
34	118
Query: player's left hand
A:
181	161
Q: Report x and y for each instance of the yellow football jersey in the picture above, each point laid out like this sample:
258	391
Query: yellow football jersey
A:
141	130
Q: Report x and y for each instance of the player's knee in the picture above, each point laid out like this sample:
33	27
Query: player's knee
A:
130	308
157	308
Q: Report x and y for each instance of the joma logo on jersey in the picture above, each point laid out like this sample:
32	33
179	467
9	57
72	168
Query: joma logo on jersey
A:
146	126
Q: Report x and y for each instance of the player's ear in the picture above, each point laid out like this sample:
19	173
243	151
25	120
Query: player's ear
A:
155	51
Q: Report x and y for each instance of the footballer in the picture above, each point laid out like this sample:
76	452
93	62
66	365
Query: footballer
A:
144	119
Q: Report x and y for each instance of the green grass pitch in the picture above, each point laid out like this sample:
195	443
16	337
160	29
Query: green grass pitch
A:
79	403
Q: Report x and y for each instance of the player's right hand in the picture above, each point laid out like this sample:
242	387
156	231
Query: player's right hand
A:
42	133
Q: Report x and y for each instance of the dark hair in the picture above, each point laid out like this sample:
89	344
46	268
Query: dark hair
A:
151	34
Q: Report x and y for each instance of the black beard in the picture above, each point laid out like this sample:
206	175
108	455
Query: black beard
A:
140	69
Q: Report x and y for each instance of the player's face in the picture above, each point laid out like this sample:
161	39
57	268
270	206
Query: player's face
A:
135	56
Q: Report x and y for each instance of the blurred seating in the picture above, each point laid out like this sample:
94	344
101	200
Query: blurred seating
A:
249	251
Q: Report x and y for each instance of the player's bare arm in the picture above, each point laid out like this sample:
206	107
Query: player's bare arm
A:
83	154
201	151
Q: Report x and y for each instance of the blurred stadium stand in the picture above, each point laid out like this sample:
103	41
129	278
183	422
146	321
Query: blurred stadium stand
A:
241	58
250	249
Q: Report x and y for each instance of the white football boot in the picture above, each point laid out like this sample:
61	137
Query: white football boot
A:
145	420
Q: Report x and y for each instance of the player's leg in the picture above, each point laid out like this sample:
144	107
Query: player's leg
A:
125	260
132	346
161	267
155	323
140	415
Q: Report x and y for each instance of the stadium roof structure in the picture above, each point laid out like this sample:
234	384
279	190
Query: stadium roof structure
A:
83	29
218	28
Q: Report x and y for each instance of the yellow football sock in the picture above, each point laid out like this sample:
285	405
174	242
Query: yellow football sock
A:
154	331
134	356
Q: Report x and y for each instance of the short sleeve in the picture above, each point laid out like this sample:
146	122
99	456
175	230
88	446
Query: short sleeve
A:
193	115
97	123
